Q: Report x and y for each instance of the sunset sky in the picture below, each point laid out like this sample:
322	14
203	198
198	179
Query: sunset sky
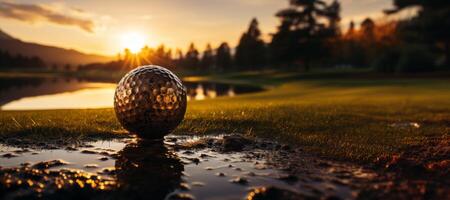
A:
103	26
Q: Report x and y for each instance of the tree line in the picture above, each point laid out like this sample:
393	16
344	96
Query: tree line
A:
309	35
8	60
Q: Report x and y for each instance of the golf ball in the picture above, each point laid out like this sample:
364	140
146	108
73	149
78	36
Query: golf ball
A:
150	101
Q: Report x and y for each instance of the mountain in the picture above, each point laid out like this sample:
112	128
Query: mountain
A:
50	54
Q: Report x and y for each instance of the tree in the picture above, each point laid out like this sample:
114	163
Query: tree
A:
304	32
283	48
333	12
191	59
161	56
19	61
430	25
368	29
223	56
207	61
251	50
351	30
179	58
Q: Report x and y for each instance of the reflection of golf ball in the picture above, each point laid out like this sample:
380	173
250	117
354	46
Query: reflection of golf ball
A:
150	101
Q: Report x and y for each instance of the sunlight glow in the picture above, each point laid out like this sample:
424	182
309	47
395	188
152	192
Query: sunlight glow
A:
134	41
96	95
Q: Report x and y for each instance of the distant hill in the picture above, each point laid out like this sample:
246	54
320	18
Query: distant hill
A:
49	54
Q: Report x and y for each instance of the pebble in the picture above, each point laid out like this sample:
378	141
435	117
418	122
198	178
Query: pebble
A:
221	174
22	151
49	164
234	143
188	152
196	183
71	149
239	180
185	187
91	166
88	152
103	158
9	155
181	196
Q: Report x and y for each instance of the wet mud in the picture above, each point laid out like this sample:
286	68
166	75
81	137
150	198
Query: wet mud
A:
187	167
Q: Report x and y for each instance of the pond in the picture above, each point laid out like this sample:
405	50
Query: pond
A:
71	93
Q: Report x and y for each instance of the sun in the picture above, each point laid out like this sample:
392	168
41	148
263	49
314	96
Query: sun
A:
134	41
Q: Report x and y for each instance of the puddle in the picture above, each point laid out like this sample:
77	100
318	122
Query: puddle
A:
75	158
179	167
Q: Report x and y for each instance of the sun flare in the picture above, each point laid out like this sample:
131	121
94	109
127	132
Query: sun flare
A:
133	41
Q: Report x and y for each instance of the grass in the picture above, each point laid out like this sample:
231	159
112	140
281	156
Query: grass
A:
347	119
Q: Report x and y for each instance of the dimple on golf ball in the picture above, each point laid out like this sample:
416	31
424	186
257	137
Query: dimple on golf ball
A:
150	101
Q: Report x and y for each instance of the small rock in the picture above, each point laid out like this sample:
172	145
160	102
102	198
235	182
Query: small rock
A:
234	143
197	183
103	159
181	196
171	139
88	152
49	164
185	187
221	174
194	160
108	171
239	180
91	166
269	193
188	152
22	151
204	155
71	149
9	155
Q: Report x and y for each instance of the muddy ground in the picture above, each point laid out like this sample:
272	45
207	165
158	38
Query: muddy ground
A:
215	167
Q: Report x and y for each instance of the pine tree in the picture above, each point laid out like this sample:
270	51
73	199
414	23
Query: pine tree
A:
191	59
430	26
302	35
223	57
207	61
251	50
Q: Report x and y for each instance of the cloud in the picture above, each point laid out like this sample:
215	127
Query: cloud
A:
33	13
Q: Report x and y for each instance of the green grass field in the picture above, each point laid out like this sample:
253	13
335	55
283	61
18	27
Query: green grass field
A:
338	117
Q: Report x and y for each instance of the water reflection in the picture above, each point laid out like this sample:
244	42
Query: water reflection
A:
67	93
148	169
